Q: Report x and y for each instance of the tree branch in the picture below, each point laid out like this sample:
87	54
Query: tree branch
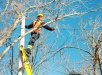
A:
31	7
10	31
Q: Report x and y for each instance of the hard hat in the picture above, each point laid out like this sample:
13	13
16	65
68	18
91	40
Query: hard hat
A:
40	15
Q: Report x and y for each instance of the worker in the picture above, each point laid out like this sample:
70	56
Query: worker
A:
35	34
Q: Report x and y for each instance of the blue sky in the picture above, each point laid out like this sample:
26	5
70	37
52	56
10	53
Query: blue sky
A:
57	38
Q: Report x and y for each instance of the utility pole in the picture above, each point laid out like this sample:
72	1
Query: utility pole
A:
20	68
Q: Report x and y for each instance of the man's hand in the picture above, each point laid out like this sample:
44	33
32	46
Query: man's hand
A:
53	29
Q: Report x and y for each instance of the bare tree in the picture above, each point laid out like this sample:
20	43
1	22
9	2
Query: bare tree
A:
55	12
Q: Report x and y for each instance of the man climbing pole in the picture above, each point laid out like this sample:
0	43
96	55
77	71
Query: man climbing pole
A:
35	34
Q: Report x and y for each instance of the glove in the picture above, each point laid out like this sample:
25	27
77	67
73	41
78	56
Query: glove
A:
53	29
26	26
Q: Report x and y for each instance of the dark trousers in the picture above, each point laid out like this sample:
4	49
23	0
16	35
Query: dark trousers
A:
34	37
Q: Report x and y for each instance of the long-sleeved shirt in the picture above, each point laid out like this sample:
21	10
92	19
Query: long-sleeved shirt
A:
38	26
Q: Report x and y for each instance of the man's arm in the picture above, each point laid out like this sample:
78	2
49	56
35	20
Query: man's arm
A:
29	26
47	27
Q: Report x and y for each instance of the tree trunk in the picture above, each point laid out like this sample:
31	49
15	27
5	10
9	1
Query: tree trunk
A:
95	62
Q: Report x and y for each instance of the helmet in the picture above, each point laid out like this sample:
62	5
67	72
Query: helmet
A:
40	15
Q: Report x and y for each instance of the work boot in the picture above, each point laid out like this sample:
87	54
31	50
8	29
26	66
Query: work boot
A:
28	52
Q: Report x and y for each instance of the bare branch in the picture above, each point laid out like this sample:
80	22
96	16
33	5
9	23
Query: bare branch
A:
10	31
37	6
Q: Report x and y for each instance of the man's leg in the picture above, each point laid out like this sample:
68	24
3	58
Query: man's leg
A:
33	38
